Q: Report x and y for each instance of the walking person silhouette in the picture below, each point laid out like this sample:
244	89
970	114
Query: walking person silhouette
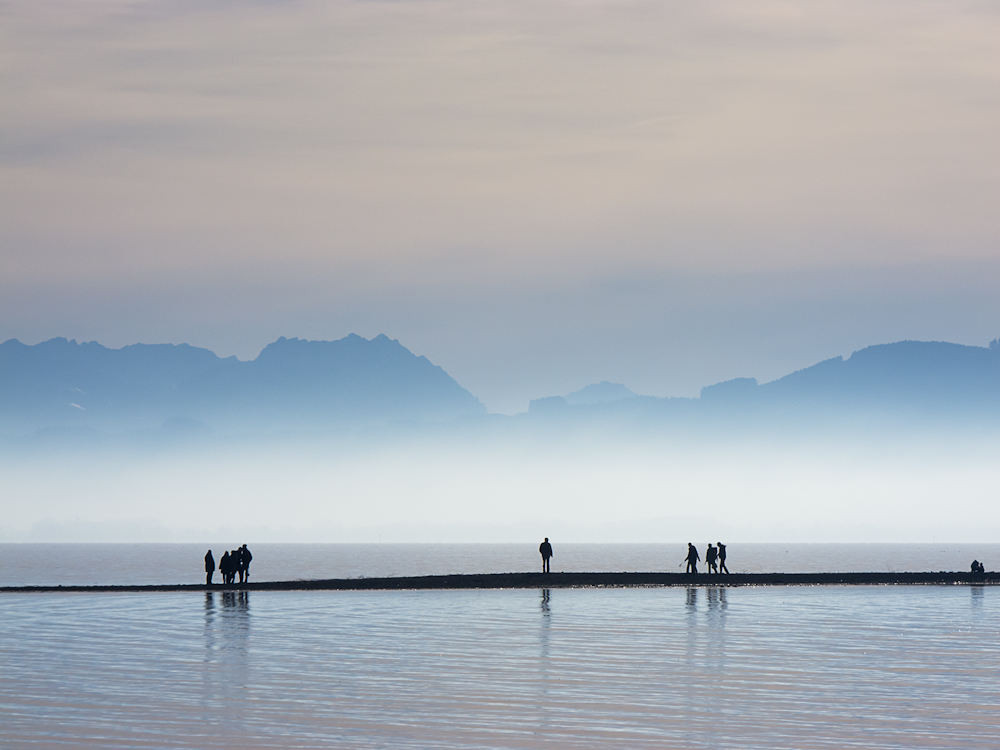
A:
546	551
209	568
722	558
710	554
692	559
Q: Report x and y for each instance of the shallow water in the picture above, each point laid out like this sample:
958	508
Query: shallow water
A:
798	667
84	564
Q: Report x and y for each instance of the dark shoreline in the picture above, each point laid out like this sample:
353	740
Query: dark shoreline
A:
551	580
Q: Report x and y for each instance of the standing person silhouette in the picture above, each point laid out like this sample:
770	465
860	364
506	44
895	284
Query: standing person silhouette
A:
545	549
224	567
209	568
692	559
710	554
245	558
722	558
235	565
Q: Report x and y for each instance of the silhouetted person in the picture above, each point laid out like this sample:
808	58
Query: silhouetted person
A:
692	559
722	558
977	567
229	574
209	568
241	567
224	567
245	558
234	565
545	549
710	554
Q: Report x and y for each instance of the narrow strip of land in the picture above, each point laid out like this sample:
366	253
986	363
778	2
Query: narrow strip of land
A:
552	580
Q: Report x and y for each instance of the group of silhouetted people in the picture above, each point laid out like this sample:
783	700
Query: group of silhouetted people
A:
977	567
233	563
715	558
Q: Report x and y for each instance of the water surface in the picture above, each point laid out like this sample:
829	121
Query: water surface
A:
797	667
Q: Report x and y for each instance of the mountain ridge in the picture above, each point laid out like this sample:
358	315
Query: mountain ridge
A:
308	385
291	384
905	377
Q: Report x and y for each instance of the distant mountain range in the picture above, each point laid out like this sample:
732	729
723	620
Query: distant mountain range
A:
292	385
907	377
926	375
296	385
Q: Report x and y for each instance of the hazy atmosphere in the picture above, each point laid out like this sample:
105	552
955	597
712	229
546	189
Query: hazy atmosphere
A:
536	197
502	374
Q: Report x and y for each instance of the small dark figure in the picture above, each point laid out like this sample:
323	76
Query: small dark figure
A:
209	568
245	558
546	551
722	558
224	568
710	554
241	566
234	565
692	559
977	567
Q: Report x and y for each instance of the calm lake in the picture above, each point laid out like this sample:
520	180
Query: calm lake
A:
703	667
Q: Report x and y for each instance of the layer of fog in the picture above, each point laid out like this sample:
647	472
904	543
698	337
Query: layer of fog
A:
503	487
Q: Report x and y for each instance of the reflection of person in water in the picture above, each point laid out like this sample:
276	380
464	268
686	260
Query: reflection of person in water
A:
545	549
722	558
209	568
692	597
692	559
710	554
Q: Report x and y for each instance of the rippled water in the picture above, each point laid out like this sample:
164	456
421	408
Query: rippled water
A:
83	564
798	667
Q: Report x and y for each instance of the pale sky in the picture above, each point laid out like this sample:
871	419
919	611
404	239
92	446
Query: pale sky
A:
535	195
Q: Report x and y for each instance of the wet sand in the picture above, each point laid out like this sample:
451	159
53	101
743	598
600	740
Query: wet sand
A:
555	580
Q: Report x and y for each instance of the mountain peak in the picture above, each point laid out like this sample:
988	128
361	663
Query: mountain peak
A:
293	383
599	393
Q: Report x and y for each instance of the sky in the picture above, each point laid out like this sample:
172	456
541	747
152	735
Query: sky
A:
534	195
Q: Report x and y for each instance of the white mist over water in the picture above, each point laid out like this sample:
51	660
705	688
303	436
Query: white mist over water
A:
429	486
